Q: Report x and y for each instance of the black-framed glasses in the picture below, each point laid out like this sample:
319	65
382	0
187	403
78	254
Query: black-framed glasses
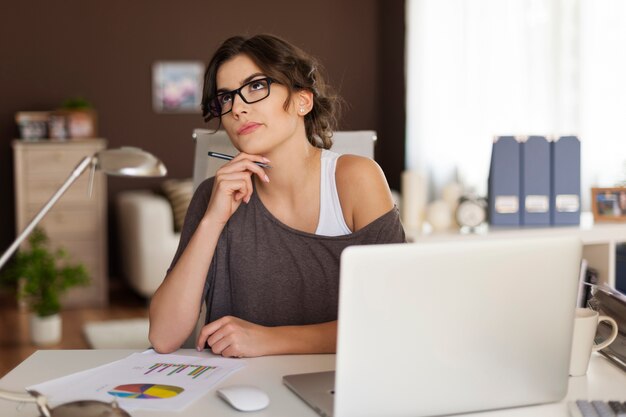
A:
250	92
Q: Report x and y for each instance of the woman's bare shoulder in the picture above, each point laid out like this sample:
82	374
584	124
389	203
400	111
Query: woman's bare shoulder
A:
363	190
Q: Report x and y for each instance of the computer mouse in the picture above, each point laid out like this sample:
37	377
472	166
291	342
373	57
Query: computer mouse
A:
244	397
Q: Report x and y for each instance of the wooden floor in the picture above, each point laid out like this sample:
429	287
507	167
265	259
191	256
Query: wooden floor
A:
15	345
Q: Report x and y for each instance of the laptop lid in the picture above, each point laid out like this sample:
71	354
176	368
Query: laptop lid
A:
316	389
447	327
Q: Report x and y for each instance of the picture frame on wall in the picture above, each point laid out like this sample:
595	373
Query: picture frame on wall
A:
177	86
609	204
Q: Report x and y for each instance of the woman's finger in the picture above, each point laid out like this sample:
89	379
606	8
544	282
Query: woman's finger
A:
233	185
232	351
219	346
208	330
255	158
201	341
243	165
215	337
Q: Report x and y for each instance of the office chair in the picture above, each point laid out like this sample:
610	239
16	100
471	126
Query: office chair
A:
358	142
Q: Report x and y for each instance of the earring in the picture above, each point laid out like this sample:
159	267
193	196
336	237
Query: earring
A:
301	109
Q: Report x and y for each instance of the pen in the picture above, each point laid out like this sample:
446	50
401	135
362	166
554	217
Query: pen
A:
229	158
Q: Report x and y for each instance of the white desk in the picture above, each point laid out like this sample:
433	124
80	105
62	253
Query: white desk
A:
603	382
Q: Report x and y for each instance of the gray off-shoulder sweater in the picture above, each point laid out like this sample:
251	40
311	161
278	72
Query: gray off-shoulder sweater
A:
267	273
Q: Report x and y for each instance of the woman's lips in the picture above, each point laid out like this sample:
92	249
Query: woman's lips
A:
248	128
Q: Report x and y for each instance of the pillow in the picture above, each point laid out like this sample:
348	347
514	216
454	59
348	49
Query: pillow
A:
179	193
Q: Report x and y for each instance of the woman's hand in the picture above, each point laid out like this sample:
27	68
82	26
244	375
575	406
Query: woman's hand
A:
233	184
233	337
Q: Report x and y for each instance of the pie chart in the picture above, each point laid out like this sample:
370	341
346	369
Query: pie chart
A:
145	391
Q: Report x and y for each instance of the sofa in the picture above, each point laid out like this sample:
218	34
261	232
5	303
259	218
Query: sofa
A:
148	239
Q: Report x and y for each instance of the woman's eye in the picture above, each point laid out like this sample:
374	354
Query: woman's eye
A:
257	85
225	99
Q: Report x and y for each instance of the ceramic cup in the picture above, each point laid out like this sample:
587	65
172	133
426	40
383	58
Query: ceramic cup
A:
585	326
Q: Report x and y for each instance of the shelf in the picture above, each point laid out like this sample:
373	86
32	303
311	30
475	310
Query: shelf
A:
599	240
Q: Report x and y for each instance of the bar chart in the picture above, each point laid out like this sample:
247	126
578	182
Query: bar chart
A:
169	369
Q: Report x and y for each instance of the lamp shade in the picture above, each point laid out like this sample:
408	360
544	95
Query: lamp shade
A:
129	162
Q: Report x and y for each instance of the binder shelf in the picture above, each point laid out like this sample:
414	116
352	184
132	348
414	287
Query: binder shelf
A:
599	240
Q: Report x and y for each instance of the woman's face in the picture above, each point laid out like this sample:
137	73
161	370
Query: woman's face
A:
259	127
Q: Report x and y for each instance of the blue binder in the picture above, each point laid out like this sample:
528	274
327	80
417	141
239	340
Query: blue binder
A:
535	182
565	196
504	182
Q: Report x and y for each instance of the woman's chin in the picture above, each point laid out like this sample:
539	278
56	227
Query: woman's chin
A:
253	148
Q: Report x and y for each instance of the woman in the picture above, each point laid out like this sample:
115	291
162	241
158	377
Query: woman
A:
262	245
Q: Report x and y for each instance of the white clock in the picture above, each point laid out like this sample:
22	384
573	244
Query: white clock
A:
471	212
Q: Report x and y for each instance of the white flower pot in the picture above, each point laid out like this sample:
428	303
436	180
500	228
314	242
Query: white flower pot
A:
45	330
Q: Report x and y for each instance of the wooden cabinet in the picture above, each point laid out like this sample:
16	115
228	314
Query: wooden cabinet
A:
77	222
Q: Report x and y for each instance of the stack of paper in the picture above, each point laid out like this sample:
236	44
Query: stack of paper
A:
146	380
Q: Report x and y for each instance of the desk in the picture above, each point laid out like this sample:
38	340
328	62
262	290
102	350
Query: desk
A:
603	382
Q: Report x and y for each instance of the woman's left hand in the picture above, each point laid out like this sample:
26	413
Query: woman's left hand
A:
234	337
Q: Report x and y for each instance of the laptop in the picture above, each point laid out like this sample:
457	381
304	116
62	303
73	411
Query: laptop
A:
436	328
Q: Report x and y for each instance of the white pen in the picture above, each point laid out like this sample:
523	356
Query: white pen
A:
229	158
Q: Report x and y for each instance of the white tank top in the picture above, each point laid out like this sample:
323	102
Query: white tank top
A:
331	222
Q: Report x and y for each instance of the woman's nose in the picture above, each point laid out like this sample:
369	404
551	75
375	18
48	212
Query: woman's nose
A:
239	105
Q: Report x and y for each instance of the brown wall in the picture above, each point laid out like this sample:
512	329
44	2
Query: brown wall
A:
104	51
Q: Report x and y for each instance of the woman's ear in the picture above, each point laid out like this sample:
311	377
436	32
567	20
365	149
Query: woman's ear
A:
303	102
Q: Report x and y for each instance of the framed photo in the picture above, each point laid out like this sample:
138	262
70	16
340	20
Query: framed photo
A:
177	86
609	204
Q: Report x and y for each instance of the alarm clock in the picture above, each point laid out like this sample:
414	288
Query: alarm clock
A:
471	212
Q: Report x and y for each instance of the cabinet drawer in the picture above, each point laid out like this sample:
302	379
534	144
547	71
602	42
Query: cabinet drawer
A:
88	250
39	192
90	296
88	253
58	161
93	294
62	222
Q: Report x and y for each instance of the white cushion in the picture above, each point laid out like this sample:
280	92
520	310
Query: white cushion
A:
147	238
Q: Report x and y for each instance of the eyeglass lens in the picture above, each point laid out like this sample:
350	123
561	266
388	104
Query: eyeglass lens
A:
251	92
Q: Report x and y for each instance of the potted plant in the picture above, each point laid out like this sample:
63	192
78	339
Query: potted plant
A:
41	276
81	118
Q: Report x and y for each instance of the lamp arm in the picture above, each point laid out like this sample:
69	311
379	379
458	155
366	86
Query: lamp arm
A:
82	165
32	397
16	396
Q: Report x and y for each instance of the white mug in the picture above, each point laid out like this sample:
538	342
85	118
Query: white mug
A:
585	326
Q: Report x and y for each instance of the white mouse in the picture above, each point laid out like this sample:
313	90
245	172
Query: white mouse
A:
244	397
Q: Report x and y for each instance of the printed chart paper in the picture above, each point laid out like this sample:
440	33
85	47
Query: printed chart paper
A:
146	380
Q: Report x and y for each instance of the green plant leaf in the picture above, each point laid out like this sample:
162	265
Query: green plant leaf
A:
76	103
46	274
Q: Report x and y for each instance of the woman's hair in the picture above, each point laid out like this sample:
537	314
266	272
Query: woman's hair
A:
288	65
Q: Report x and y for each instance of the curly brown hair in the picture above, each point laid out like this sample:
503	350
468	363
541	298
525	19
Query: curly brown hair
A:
285	64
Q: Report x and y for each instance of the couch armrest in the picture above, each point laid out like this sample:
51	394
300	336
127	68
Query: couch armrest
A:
147	238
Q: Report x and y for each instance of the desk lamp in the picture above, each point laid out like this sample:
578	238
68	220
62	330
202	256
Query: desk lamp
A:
125	162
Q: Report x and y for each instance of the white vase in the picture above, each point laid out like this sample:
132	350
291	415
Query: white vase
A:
439	215
414	199
45	330
451	194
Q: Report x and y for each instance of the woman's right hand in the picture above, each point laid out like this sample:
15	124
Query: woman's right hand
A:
233	184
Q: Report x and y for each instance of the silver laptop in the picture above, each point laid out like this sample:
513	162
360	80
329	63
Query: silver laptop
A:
438	328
